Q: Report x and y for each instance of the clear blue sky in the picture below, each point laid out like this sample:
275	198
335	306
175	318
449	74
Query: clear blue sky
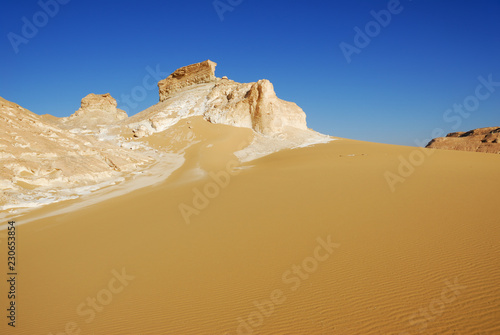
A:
395	90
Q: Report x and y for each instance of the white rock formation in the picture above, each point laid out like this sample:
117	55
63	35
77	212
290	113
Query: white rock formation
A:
45	158
95	109
199	92
38	156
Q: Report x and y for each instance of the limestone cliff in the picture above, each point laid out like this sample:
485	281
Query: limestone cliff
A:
199	73
253	105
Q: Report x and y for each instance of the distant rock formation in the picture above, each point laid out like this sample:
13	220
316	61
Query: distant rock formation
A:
199	73
479	140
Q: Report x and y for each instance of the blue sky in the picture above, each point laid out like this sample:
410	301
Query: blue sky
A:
396	89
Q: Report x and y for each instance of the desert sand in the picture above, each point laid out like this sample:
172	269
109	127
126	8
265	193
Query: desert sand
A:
423	258
217	211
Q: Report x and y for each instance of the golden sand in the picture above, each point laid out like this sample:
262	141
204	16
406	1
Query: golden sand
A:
304	241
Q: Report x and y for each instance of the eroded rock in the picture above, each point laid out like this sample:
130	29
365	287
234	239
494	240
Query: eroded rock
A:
198	73
479	140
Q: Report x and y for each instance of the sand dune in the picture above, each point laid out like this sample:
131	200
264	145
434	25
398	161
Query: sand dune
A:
303	241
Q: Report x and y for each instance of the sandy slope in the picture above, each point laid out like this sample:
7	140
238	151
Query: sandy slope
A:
388	268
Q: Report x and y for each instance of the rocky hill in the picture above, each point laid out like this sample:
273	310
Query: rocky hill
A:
46	159
195	90
480	140
38	157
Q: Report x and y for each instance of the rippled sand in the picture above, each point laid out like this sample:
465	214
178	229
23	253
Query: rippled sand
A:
305	241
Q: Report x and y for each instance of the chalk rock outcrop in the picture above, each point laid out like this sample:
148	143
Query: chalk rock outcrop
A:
479	140
46	158
194	90
199	73
100	105
253	105
97	109
37	155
